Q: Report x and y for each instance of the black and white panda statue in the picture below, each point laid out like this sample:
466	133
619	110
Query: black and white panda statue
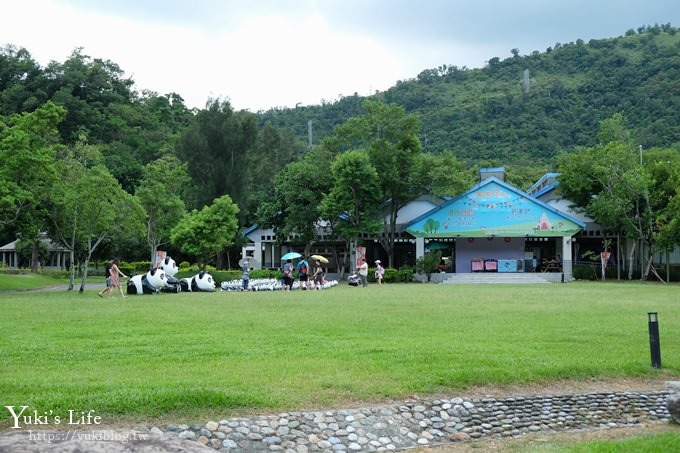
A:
172	285
169	266
199	282
149	283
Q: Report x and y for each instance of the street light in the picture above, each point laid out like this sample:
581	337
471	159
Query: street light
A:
654	345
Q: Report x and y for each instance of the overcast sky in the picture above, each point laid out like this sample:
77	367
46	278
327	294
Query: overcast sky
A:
274	53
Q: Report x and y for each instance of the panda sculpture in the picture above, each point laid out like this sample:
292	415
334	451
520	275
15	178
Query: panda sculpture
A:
172	285
150	283
169	266
199	282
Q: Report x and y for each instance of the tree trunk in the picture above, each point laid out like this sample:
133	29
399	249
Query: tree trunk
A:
72	271
630	261
650	256
84	279
34	255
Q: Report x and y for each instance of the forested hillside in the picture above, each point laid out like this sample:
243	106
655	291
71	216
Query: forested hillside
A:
527	108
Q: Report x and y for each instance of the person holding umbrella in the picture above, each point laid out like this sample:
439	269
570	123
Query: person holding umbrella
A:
288	275
303	274
318	275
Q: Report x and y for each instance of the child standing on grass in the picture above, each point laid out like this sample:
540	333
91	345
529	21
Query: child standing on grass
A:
379	272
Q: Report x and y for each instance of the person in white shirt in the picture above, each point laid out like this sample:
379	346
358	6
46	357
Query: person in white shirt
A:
363	272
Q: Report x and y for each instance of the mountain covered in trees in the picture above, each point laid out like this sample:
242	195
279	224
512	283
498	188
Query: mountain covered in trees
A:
70	118
529	108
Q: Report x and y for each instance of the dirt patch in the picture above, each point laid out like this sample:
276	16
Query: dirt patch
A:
566	387
547	441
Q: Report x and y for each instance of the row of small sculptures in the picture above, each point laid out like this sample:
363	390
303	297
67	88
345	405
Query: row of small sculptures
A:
162	279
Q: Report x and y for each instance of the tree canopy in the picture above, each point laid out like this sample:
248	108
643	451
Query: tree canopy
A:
622	191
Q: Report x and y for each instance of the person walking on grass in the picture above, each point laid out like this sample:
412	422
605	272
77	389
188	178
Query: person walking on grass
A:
245	277
303	274
116	273
107	274
288	275
318	275
363	272
379	272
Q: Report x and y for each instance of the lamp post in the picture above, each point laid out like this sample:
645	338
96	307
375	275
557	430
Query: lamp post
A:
654	345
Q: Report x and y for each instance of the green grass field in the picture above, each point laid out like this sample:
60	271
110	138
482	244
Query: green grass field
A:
197	356
28	281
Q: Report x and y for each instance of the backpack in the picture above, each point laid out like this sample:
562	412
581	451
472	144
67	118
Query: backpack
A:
286	270
303	269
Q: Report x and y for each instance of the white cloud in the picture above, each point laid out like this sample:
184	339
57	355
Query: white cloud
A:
270	53
268	60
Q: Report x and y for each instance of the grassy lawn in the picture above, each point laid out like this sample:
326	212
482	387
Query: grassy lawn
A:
28	281
198	356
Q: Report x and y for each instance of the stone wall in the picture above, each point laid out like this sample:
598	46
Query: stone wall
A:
426	422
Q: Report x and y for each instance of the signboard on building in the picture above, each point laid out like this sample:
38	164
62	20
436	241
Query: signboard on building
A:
494	208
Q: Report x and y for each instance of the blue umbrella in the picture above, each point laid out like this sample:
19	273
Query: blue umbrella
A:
291	256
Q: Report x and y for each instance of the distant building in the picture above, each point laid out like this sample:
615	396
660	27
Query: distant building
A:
58	255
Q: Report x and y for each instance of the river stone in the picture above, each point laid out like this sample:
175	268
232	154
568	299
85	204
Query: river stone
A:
673	400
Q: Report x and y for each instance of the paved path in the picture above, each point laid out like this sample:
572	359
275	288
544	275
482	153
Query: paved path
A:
55	288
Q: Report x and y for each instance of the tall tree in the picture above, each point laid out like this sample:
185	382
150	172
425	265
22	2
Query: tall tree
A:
214	146
353	204
66	202
298	190
617	189
89	89
208	232
160	194
441	174
22	82
391	137
28	144
103	208
273	150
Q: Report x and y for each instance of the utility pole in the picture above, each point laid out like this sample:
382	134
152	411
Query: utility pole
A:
309	134
640	155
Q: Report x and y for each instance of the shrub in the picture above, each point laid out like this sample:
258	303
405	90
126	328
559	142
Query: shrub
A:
15	271
137	266
405	274
391	276
429	263
263	273
584	272
56	273
130	269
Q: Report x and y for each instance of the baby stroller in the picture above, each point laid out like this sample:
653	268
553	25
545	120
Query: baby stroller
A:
353	280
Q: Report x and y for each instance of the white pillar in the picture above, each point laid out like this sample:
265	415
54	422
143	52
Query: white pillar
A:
567	259
258	252
420	247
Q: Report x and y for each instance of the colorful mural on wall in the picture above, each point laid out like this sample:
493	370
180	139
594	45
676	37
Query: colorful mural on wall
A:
494	208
